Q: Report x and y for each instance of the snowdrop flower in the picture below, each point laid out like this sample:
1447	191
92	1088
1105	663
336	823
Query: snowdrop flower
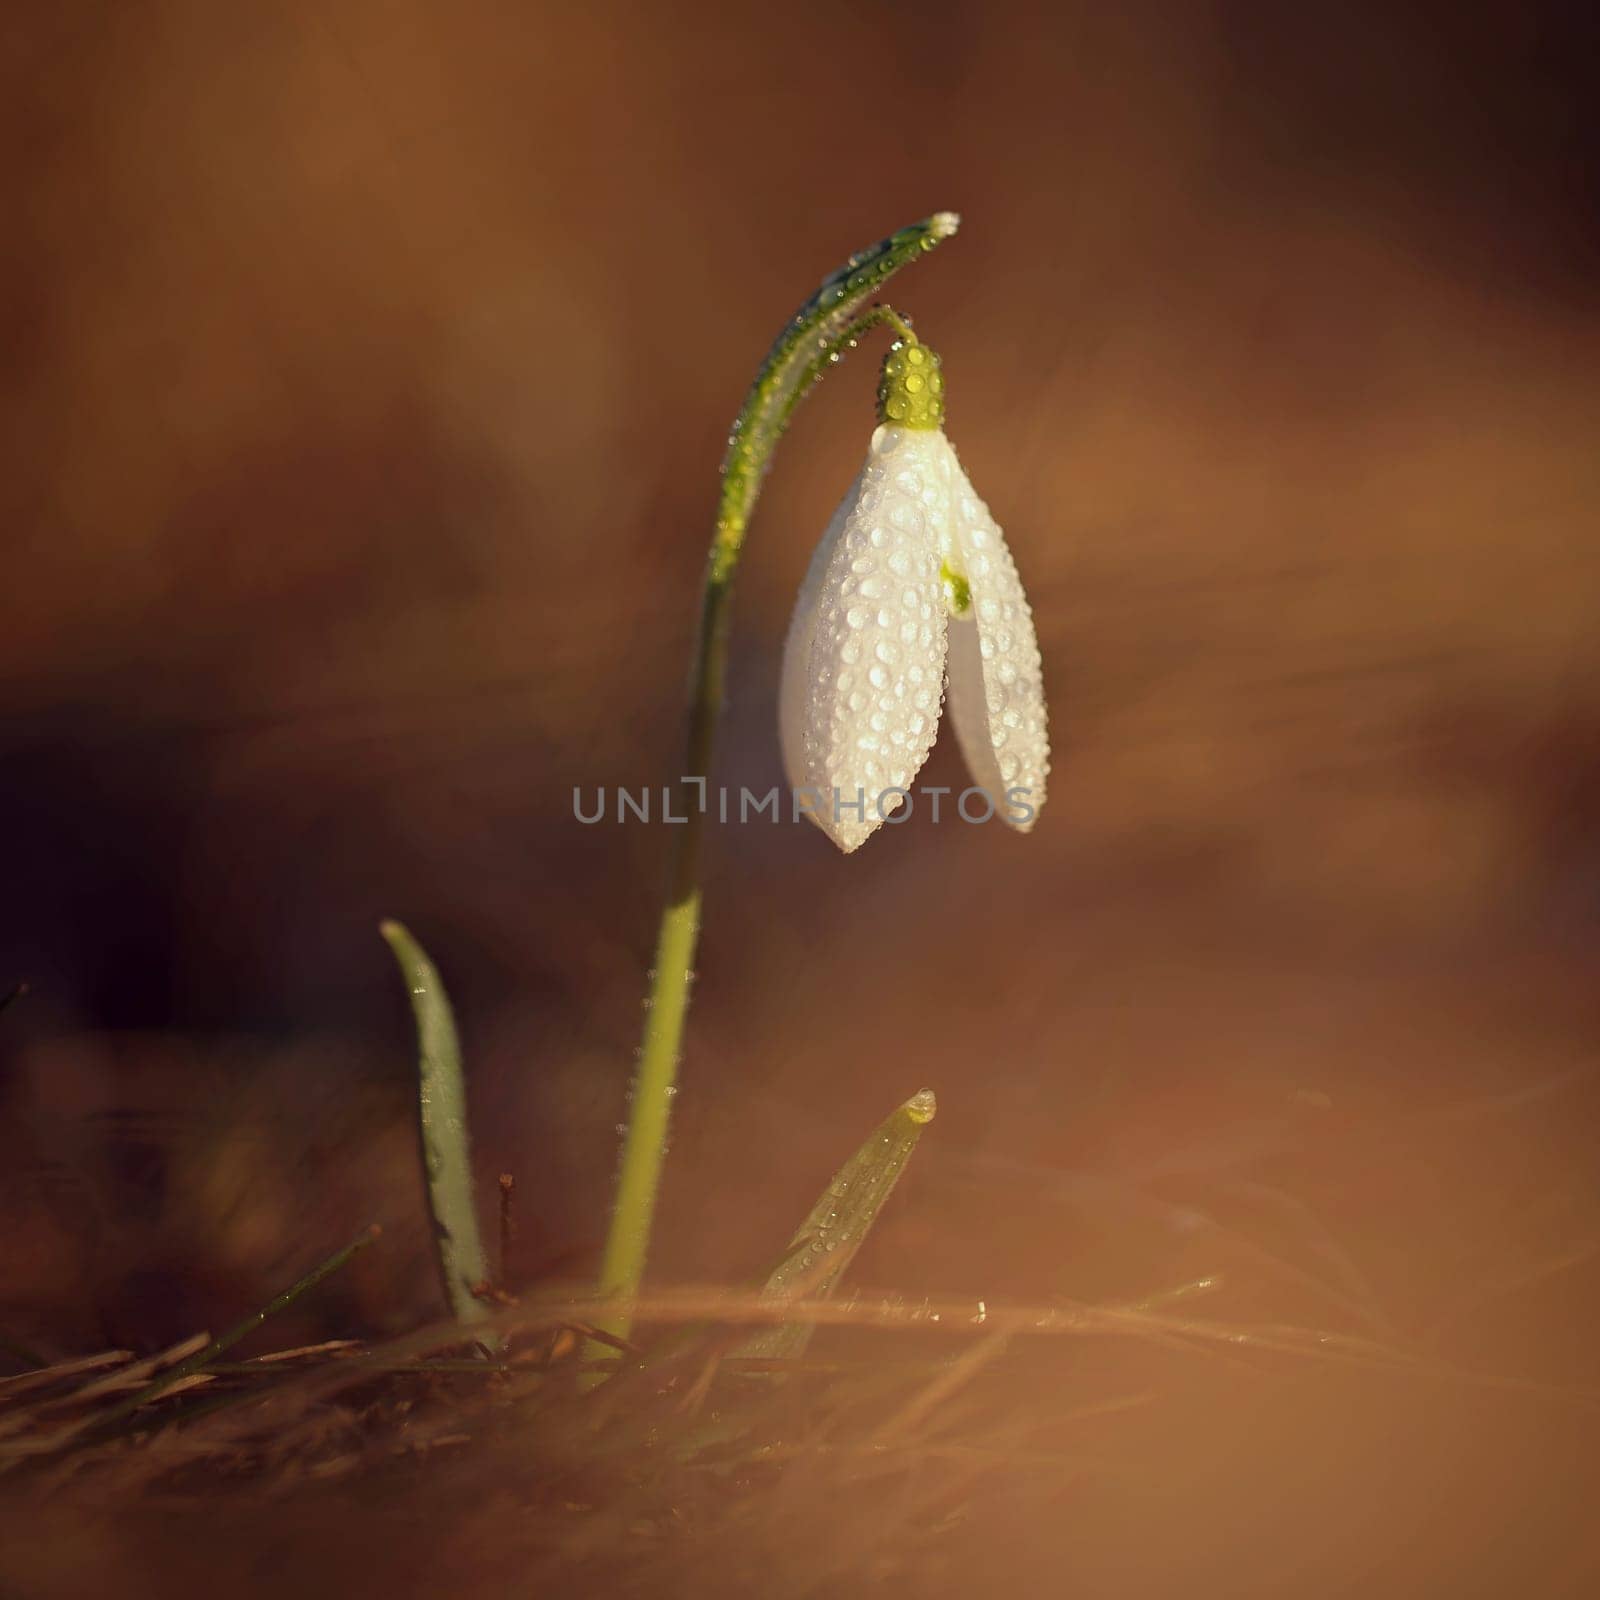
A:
912	587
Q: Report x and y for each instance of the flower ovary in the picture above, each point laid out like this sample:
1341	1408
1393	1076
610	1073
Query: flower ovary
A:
911	388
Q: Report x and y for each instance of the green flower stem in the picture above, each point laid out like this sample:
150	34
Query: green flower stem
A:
810	344
644	1145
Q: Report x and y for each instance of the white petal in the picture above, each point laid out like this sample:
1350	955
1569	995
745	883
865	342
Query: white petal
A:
793	690
863	665
996	683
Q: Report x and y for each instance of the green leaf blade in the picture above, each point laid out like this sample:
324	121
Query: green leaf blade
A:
442	1118
824	1244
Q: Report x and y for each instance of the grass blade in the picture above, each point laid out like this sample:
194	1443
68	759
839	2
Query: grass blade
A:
826	1242
202	1359
442	1113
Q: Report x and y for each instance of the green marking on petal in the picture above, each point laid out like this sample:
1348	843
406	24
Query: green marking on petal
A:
957	591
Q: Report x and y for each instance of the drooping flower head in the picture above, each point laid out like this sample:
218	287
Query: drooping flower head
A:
911	589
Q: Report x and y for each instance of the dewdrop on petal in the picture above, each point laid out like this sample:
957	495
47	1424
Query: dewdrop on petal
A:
912	580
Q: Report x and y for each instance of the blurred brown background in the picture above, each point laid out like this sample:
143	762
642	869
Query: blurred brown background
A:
366	372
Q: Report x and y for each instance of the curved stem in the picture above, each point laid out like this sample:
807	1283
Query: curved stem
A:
890	318
830	321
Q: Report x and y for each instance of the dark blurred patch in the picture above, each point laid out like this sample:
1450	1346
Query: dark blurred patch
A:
1476	122
93	836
